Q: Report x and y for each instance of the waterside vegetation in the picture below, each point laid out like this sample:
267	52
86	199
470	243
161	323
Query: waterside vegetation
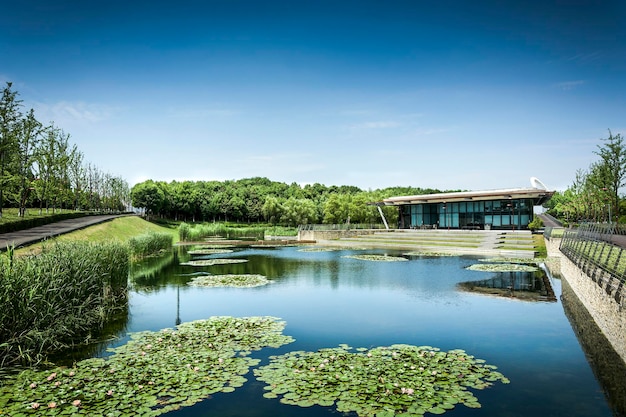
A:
59	298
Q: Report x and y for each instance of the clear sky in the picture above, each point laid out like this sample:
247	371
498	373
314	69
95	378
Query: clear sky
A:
443	94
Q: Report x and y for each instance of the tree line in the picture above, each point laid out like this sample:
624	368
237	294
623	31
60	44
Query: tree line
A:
40	168
262	200
594	195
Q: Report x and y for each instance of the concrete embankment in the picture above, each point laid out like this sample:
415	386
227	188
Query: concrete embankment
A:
492	243
608	313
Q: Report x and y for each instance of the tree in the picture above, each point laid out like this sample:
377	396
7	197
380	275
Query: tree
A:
28	136
9	119
52	161
298	211
272	209
611	171
149	196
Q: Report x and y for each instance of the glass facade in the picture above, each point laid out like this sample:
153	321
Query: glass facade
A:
491	214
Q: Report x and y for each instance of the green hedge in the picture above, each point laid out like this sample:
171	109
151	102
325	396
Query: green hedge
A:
27	223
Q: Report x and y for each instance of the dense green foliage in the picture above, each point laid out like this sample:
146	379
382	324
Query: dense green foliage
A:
156	372
594	194
149	244
39	167
56	299
394	381
260	199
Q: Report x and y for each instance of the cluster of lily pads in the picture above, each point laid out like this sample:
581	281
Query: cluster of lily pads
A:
426	253
230	280
399	380
211	262
158	372
209	251
154	373
528	261
502	267
378	258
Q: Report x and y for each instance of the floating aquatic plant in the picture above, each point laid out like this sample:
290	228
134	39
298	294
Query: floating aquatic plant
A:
154	373
317	249
417	253
529	261
231	280
399	380
209	251
211	262
329	248
377	258
503	267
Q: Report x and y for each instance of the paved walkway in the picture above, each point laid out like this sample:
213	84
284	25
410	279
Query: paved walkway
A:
36	234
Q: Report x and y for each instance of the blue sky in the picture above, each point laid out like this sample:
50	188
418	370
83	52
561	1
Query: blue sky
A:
441	94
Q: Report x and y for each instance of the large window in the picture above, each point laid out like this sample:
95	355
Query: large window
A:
504	214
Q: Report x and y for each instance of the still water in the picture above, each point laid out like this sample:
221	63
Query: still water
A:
327	299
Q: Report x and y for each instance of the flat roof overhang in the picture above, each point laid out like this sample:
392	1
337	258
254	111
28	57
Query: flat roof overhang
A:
539	196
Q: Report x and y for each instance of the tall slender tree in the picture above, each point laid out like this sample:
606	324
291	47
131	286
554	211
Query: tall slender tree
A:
28	136
611	170
10	116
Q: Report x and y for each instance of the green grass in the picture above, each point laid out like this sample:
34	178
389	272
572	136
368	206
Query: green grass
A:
121	229
10	215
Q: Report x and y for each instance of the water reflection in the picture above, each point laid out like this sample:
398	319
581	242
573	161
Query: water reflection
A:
327	299
606	364
525	286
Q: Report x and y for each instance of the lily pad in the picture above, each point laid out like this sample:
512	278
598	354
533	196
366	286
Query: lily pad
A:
438	254
317	249
529	261
209	251
230	280
502	267
385	381
377	258
154	373
211	262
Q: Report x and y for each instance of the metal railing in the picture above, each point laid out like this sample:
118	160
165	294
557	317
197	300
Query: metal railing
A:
591	249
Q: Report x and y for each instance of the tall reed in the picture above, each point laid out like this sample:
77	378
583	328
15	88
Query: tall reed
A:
199	232
149	244
59	298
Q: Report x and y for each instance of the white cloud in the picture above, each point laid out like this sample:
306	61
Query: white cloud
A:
202	113
376	125
569	85
65	111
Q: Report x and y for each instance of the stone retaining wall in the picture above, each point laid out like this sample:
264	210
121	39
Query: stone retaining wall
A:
609	315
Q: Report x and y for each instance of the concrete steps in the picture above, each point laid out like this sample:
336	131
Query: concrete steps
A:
512	244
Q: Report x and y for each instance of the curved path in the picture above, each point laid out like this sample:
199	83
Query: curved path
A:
36	234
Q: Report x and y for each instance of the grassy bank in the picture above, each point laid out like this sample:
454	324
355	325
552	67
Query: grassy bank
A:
74	285
121	229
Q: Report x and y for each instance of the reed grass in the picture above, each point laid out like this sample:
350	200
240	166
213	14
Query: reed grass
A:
150	243
59	298
199	232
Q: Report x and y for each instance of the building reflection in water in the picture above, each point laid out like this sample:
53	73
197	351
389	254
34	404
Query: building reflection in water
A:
526	286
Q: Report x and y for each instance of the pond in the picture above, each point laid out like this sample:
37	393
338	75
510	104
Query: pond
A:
330	298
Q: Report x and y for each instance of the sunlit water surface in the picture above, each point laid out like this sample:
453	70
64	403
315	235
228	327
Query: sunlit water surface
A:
327	299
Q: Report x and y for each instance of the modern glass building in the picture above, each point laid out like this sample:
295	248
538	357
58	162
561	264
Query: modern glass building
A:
494	209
